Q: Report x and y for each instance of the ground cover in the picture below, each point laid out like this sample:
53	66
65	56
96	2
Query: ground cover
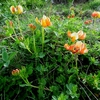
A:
50	52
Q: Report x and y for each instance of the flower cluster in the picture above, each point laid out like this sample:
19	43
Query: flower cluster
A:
78	47
16	10
72	13
88	22
96	14
76	35
45	21
32	27
71	16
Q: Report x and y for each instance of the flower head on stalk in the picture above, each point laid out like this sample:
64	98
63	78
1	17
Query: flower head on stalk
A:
71	16
16	10
96	14
32	27
15	72
11	23
45	21
88	22
75	36
77	48
81	35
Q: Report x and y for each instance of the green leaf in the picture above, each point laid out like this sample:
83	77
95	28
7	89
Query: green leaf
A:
4	55
22	45
63	97
29	69
27	42
7	63
72	90
38	33
54	98
12	55
41	55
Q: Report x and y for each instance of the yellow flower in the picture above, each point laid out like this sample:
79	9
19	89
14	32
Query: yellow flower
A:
45	21
16	10
73	36
98	14
13	9
19	9
37	20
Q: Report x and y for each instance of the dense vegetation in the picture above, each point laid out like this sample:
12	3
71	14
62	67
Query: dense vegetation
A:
49	51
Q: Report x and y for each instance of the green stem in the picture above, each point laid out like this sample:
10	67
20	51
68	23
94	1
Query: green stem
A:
19	27
29	50
43	36
12	38
76	59
73	57
23	79
94	24
35	50
15	33
38	87
34	45
28	83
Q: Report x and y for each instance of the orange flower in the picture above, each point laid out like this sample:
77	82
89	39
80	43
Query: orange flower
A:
15	72
16	10
77	48
88	22
66	46
69	33
81	35
81	47
95	14
73	36
33	27
11	24
45	21
68	16
83	50
13	9
71	16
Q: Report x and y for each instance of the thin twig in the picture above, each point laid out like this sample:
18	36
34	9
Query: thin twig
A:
17	94
89	90
85	92
87	69
2	70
